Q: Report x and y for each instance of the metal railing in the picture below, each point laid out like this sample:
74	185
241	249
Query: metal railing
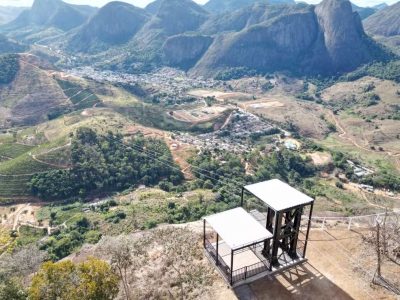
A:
249	271
226	271
366	221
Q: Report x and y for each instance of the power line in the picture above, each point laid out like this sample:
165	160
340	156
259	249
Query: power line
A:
233	181
152	156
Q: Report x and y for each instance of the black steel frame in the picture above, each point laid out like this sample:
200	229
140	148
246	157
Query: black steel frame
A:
286	234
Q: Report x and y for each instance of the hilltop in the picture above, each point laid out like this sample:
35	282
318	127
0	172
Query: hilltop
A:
114	24
172	17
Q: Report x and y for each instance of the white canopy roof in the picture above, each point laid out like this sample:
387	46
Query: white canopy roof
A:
278	195
238	228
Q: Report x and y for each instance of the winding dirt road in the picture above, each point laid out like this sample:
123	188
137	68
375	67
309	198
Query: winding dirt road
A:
345	136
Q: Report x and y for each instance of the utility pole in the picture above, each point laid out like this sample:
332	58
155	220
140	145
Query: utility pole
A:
378	248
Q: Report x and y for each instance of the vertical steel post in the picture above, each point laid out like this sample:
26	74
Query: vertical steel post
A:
295	237
276	238
268	226
232	253
204	233
216	257
308	229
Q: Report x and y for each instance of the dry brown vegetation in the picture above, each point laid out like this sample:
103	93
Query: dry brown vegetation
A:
337	267
199	115
159	264
366	124
30	96
285	109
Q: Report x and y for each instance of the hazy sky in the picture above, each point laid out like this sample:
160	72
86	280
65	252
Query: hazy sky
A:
143	3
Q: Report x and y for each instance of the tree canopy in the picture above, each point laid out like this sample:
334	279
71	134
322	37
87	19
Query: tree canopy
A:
9	66
106	163
89	280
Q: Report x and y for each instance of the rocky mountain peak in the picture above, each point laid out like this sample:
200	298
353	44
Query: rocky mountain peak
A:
342	32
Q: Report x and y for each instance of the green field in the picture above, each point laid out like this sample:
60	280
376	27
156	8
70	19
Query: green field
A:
23	164
13	150
16	172
63	213
60	157
372	159
6	138
13	187
81	97
28	235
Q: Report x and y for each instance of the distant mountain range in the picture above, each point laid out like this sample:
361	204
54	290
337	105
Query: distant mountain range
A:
386	22
325	39
172	17
384	25
223	35
51	13
9	13
221	6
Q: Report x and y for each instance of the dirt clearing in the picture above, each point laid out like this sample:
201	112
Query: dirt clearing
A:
321	158
199	115
220	96
336	269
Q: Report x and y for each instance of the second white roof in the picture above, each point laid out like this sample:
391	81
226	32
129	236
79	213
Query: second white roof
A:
278	195
238	228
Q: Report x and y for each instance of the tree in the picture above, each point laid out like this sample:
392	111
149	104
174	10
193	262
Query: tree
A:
98	281
103	163
91	280
383	243
125	255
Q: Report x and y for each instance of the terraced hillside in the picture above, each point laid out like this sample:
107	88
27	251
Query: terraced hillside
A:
48	148
31	95
80	96
35	93
16	169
